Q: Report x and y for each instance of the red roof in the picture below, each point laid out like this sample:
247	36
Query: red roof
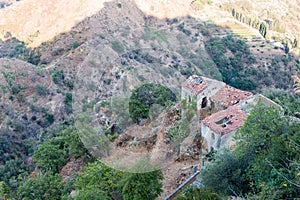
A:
195	84
229	96
226	121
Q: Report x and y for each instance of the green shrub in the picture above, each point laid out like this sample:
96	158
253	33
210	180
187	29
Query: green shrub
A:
117	46
289	102
69	98
23	74
75	44
112	137
21	97
56	151
49	118
58	76
45	186
57	52
41	90
143	97
15	89
12	169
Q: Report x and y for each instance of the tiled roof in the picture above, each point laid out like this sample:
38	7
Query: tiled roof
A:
195	84
228	96
226	121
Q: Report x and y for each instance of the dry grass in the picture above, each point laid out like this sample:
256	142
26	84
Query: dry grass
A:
35	22
38	21
240	29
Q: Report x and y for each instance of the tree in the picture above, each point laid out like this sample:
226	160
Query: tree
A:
226	175
287	101
272	140
45	186
55	152
136	186
99	178
112	184
92	193
51	155
265	163
143	97
12	171
3	189
41	90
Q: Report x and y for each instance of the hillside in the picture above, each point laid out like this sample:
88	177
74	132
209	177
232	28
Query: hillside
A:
58	57
279	16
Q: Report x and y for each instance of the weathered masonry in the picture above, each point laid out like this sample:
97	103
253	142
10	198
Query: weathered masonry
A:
226	109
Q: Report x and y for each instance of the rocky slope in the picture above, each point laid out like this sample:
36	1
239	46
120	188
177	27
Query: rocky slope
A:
88	51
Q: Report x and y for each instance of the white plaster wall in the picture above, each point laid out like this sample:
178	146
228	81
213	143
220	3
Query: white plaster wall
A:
226	140
211	90
214	140
185	93
247	104
210	137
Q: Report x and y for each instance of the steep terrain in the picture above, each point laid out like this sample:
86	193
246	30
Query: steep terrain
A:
84	52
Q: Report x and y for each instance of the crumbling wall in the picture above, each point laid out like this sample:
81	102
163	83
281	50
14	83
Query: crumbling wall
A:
211	90
215	141
186	94
248	104
209	137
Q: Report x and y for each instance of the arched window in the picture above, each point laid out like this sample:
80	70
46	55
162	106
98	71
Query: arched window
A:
204	102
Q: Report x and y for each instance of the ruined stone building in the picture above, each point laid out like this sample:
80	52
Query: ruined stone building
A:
217	129
296	84
201	88
222	109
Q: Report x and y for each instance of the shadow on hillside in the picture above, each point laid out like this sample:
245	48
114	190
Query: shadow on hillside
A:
121	48
203	45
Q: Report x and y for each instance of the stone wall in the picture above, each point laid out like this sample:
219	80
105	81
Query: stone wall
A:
214	140
248	104
211	90
186	94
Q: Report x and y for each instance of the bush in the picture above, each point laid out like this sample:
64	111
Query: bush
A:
51	155
143	97
226	174
109	183
68	99
117	46
58	76
15	89
49	118
57	52
55	152
75	44
287	101
41	90
12	170
45	186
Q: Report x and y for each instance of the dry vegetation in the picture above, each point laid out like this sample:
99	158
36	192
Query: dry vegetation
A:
118	45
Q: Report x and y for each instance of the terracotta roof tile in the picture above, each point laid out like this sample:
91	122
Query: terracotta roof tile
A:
226	121
195	84
228	96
